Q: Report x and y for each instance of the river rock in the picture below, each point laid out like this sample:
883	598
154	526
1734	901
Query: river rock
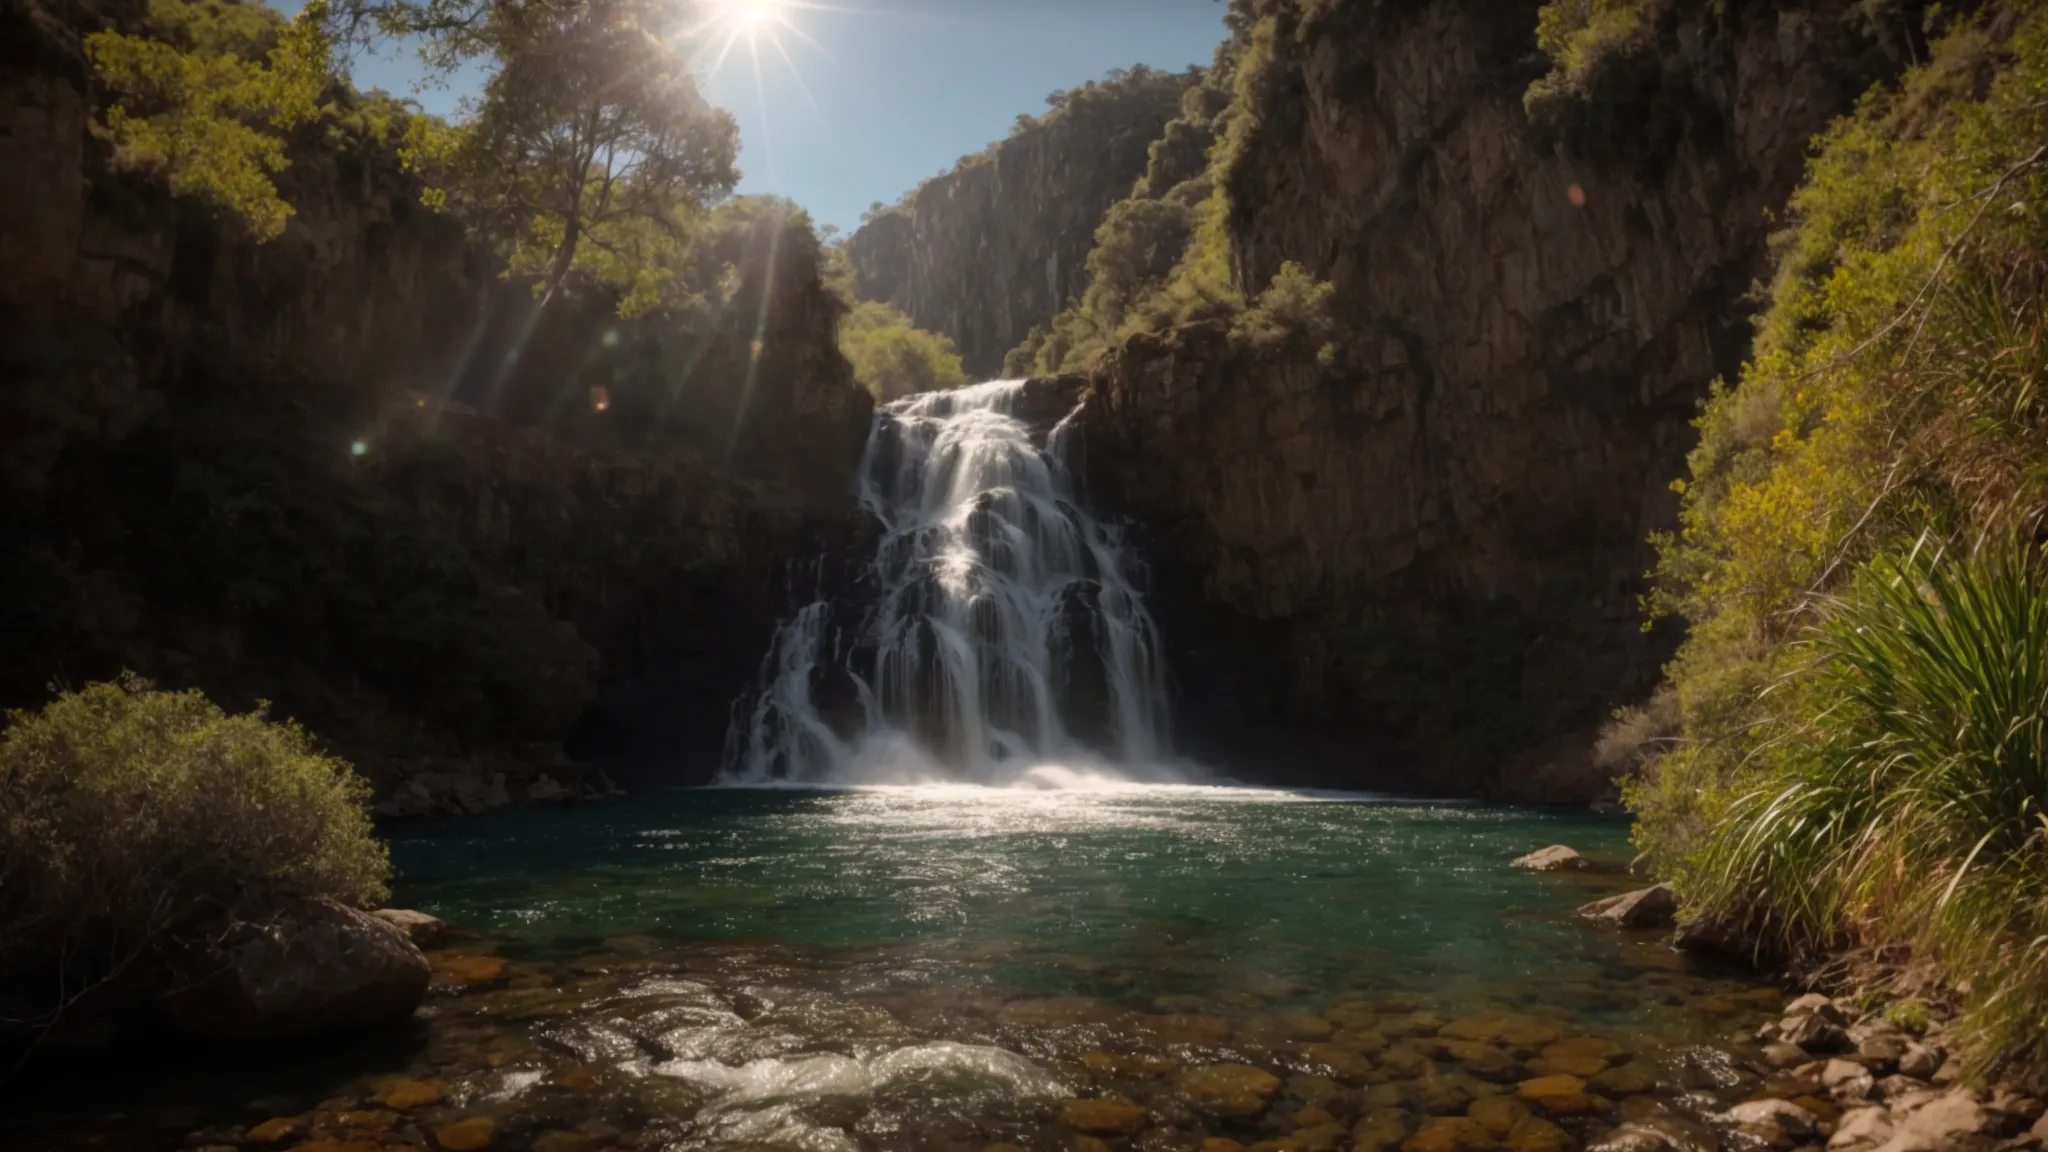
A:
1922	1061
423	930
1847	1081
467	1135
1497	1114
1449	1134
1108	1116
1860	1130
1556	858
1343	1062
1779	1123
1946	1123
1652	907
1535	1134
1779	1054
312	967
1814	1033
1380	1130
1815	1004
1229	1089
1631	1079
1559	1094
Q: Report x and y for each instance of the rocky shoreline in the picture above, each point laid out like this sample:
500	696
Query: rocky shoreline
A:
1842	1078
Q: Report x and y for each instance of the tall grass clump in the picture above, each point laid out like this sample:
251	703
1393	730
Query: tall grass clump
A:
1912	807
129	815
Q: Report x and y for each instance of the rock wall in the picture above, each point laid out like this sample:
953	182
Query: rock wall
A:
1419	563
351	473
998	245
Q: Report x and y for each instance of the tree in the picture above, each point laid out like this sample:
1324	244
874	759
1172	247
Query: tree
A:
591	152
204	97
892	358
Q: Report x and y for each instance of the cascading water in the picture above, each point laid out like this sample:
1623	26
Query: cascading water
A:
1009	634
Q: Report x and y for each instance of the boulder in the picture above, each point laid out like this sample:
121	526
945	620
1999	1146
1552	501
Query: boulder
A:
1556	858
1860	1130
311	967
1653	907
1944	1124
1847	1081
546	791
1922	1061
1779	1123
1815	1004
423	930
1814	1034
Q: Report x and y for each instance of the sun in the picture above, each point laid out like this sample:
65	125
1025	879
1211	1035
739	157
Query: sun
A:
754	13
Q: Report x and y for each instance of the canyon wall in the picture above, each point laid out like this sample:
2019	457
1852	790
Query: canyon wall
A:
354	473
998	245
1416	560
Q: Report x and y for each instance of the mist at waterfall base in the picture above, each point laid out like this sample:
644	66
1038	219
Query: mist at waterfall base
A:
1006	643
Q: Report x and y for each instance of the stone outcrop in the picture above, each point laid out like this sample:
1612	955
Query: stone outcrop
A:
1417	561
998	245
354	473
310	969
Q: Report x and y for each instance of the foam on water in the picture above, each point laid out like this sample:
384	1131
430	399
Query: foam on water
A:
1009	645
765	1101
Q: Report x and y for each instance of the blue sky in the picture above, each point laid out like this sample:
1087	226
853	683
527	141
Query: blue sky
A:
867	97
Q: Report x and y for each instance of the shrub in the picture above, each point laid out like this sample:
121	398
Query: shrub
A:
1911	807
892	357
128	813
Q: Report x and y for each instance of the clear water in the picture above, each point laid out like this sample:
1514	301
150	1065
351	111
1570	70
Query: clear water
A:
942	968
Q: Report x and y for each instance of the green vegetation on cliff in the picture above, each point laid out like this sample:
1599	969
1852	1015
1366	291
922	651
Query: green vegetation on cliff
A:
1863	750
891	357
128	813
204	94
1162	256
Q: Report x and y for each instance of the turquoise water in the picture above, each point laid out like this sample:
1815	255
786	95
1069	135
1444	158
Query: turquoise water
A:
948	968
1100	893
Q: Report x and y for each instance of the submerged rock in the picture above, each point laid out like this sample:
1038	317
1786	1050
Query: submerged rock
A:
1229	1089
1103	1117
313	967
423	930
1652	907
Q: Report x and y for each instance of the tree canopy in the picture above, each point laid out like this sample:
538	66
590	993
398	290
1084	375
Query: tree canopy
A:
591	152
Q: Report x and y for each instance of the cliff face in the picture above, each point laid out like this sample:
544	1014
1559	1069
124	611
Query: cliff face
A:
998	245
1419	561
351	473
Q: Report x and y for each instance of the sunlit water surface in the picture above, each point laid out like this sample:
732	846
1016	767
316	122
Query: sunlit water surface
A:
941	968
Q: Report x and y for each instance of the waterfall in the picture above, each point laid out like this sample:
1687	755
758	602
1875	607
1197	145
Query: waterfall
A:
1006	631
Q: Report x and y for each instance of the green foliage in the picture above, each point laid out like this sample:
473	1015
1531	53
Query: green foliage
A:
1911	806
1857	730
1293	310
591	154
892	357
205	95
1581	36
1908	1016
126	811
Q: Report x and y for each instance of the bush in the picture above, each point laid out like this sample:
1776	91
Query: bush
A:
893	358
128	814
1912	806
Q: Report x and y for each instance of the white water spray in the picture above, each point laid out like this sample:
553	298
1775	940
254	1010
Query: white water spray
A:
1009	636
